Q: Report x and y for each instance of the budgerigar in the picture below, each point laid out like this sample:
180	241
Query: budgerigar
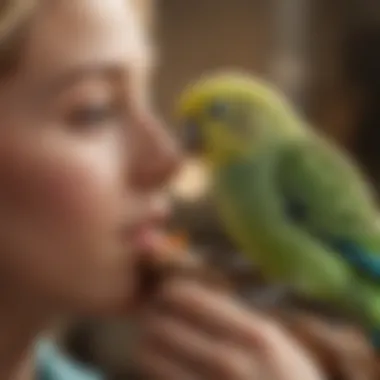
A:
292	201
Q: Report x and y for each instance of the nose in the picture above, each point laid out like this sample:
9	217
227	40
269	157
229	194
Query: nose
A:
156	156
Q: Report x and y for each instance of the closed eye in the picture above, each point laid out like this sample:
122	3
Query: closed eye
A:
93	115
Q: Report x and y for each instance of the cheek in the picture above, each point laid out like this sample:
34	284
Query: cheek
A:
63	190
60	211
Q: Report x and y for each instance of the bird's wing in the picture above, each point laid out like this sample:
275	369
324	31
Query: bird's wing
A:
327	197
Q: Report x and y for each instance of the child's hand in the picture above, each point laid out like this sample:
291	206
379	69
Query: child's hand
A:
191	332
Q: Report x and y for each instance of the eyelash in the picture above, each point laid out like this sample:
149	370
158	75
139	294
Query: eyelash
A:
94	115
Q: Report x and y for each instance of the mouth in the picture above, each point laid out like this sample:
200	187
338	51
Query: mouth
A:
144	244
146	238
151	215
173	259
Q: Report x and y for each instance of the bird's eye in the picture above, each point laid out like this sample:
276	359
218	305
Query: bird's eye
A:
218	110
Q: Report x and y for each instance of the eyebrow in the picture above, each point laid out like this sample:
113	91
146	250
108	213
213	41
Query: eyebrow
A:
79	73
67	78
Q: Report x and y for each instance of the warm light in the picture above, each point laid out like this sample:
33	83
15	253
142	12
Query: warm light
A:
192	183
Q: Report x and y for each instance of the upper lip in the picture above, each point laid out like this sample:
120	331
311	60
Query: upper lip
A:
152	221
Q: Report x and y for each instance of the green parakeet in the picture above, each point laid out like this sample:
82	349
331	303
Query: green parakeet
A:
291	200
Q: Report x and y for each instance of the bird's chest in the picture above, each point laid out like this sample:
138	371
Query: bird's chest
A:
247	200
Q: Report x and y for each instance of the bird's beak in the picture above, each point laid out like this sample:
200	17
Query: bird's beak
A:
192	139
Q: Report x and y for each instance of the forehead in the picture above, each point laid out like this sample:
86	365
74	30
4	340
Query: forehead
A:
67	34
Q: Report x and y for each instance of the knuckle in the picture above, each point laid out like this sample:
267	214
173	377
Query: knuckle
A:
270	334
172	289
276	333
180	287
232	363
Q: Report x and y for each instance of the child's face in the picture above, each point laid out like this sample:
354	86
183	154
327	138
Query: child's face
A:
81	157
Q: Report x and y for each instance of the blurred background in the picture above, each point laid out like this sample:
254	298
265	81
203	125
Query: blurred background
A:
325	54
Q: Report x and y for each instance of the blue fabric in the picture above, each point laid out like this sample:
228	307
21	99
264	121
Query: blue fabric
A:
54	365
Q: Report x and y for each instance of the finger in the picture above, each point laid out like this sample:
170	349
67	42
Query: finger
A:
216	312
156	366
341	350
198	351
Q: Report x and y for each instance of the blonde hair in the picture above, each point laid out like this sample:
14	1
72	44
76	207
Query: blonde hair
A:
15	17
14	21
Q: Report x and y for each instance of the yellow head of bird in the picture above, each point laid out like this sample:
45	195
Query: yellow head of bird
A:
227	116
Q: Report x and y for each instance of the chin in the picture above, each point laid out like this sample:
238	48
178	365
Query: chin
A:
105	307
96	302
